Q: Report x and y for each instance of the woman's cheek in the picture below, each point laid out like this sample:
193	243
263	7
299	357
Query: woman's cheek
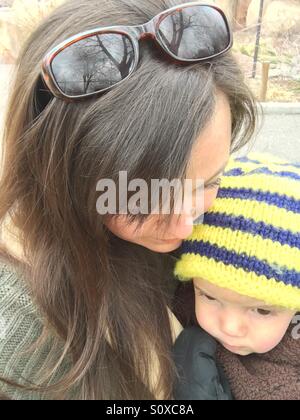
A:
209	198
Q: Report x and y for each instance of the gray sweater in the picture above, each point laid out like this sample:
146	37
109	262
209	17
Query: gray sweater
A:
21	325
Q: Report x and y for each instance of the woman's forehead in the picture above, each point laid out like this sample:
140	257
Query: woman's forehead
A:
212	149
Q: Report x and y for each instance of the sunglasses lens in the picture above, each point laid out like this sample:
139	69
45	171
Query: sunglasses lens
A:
93	64
194	32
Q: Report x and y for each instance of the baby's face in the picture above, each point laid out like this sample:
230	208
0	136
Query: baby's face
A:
241	324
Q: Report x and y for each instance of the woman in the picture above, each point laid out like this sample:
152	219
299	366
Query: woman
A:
88	293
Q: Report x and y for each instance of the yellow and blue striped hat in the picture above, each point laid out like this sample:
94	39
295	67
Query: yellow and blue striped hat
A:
250	239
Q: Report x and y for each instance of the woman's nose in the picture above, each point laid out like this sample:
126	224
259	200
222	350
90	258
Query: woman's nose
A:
182	227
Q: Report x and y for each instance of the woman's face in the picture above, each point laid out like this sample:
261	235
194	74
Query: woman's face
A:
208	160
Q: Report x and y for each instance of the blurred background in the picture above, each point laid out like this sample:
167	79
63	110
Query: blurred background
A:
266	44
266	34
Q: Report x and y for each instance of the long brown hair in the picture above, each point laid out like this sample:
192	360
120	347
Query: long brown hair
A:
105	300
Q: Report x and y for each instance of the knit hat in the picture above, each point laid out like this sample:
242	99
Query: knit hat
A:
250	239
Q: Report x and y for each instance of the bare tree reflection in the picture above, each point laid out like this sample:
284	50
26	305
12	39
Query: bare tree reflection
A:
124	65
99	61
193	32
93	63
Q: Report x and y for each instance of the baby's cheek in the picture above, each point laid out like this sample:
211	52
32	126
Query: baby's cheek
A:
206	319
263	343
267	336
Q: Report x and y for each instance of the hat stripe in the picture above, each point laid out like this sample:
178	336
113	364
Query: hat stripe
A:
249	264
284	237
252	245
263	171
273	199
258	212
260	162
245	283
281	186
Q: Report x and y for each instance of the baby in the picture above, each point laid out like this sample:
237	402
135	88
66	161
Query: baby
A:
244	263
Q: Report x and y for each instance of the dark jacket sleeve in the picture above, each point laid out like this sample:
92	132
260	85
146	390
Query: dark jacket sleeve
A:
199	376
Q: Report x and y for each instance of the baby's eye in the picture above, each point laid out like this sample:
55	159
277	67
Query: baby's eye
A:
262	312
205	296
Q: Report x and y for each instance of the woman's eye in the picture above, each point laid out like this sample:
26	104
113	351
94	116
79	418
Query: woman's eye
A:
214	184
262	312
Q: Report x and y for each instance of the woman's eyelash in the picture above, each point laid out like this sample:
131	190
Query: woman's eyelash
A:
214	184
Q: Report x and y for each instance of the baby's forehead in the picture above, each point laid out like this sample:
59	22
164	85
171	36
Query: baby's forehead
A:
227	295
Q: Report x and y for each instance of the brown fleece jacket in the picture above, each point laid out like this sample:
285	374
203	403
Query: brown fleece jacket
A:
271	376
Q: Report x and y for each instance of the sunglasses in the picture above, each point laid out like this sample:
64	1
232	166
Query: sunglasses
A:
94	61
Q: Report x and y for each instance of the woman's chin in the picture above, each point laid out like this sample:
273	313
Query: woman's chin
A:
165	246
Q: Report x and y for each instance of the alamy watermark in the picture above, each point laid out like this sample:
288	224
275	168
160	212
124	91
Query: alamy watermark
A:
162	197
296	329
